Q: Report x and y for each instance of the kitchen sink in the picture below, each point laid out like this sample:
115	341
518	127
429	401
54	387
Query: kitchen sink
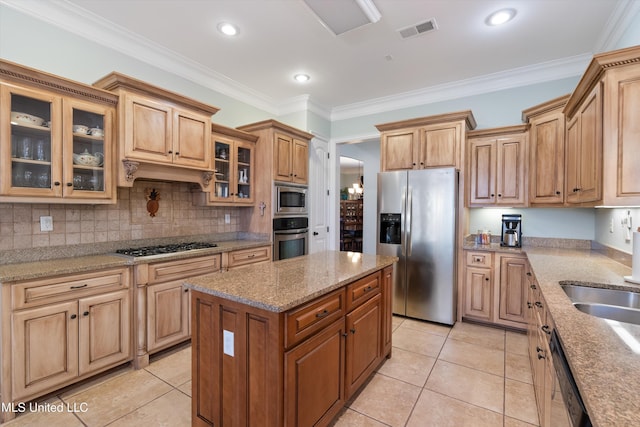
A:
613	304
611	312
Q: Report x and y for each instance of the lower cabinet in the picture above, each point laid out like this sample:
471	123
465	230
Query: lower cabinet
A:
314	378
63	329
495	288
298	368
165	316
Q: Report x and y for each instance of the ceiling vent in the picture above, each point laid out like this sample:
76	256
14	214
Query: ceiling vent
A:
418	29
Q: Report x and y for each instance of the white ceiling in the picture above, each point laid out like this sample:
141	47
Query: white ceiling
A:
350	73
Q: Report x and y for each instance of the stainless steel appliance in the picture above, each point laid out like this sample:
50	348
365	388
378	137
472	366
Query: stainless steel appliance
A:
567	408
511	230
290	237
417	213
159	250
290	200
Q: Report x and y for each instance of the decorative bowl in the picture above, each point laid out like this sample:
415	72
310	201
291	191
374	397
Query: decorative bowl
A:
80	129
96	132
25	118
88	159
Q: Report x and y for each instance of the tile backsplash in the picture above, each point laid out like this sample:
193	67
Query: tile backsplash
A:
127	220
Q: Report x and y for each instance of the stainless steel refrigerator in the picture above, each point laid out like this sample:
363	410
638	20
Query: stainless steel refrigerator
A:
417	213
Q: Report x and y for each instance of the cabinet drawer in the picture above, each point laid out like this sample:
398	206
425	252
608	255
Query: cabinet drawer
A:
310	318
179	269
249	256
479	259
362	289
61	288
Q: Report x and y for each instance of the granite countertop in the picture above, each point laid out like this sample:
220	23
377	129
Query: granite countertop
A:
606	368
282	285
70	265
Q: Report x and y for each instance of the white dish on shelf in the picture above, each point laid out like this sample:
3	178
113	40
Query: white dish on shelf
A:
81	129
28	119
88	159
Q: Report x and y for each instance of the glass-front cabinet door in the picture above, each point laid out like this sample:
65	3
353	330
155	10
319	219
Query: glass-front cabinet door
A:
222	170
87	150
30	134
233	172
244	172
59	146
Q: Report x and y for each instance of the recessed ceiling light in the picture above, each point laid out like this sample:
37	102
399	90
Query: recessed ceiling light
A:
227	29
301	78
500	17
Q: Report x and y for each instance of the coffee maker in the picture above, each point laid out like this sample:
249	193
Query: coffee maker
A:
511	231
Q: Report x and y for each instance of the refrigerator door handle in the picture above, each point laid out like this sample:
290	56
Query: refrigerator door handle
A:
409	218
403	236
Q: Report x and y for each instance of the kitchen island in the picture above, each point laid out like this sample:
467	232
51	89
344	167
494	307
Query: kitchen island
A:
288	343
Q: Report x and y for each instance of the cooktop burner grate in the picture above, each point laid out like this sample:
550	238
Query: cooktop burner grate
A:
165	249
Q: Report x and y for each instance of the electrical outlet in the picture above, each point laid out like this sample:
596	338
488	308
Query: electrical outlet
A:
611	226
227	218
46	223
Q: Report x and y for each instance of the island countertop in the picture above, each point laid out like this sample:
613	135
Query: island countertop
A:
282	285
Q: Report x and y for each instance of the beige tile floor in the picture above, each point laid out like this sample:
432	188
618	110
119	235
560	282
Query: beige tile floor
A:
468	375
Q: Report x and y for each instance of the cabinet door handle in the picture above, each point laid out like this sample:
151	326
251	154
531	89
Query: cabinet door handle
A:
251	256
538	349
170	152
323	313
538	304
79	286
493	195
558	193
487	279
177	153
69	184
540	356
533	286
529	305
86	313
186	290
57	183
499	195
546	330
315	233
353	331
528	273
368	288
73	316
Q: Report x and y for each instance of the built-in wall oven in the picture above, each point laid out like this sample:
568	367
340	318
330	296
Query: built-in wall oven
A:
290	200
567	407
290	237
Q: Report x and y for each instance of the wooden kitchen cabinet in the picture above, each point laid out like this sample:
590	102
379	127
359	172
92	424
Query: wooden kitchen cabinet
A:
43	158
434	141
546	152
603	142
282	151
161	135
478	286
295	368
512	307
64	329
166	318
497	166
291	159
584	152
234	167
244	257
495	288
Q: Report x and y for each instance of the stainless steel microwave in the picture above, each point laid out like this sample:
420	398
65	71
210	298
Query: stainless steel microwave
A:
290	200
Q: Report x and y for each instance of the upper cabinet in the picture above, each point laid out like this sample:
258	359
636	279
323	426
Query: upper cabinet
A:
290	159
603	136
546	152
234	167
497	166
434	141
56	139
159	129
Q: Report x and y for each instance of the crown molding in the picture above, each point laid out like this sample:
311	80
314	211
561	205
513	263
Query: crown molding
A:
65	15
517	77
87	25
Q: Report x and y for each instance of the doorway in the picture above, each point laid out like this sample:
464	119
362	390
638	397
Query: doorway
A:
351	203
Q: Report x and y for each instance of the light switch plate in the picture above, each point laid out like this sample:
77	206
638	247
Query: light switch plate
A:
46	223
227	218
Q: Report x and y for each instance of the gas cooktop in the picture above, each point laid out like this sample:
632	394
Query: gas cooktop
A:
164	249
